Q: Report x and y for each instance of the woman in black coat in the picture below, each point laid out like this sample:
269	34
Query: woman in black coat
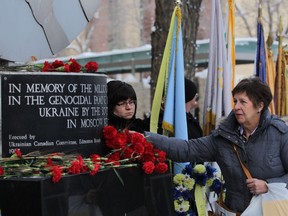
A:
191	102
122	106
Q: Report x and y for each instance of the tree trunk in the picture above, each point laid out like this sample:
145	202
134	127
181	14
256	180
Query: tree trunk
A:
190	22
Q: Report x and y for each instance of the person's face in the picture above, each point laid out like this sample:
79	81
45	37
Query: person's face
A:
245	112
125	109
193	103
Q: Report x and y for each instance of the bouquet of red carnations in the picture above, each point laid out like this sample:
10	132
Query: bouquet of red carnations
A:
130	147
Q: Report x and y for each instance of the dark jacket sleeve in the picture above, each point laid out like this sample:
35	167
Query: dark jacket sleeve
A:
179	150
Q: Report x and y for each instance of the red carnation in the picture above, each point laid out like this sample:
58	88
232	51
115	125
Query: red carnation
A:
137	138
57	63
95	169
161	155
91	66
74	66
114	156
67	68
18	153
148	167
76	167
120	140
110	143
80	159
95	157
148	156
49	162
139	148
161	167
109	132
47	67
56	174
127	153
128	134
148	146
1	170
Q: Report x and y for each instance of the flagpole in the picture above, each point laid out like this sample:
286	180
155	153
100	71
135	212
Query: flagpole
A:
229	75
261	52
260	9
282	68
270	71
279	70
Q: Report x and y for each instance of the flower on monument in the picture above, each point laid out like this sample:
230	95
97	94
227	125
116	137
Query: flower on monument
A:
57	66
130	147
161	167
56	173
1	170
127	150
54	165
91	67
148	167
17	153
74	166
77	166
71	66
95	169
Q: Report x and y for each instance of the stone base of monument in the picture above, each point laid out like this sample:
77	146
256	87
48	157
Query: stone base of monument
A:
85	195
56	112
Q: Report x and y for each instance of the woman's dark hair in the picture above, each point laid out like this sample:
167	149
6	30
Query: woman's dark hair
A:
119	91
256	90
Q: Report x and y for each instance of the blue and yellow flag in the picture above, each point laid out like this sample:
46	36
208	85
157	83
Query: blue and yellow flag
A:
170	87
161	86
174	119
170	83
260	61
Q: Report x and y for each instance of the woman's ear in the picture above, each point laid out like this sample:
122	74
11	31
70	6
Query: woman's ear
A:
260	107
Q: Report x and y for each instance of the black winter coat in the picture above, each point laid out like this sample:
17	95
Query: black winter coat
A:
133	124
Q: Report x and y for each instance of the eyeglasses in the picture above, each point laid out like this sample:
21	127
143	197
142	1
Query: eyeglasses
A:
196	96
128	102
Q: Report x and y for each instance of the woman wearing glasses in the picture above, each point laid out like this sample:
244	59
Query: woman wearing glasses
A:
122	105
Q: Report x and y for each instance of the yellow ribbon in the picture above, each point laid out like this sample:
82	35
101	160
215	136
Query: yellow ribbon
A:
200	200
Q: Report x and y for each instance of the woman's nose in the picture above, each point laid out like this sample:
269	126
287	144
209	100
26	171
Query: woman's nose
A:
236	105
128	105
